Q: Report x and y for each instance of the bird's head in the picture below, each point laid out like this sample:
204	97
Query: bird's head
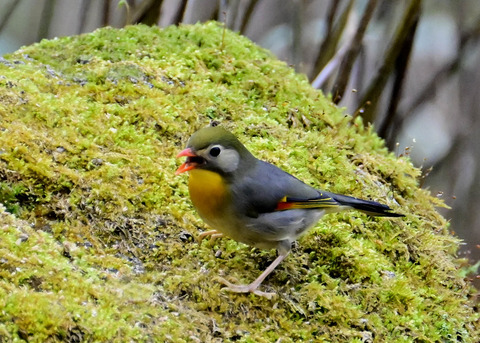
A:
215	149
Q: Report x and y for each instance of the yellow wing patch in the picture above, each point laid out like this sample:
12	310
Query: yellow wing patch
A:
287	203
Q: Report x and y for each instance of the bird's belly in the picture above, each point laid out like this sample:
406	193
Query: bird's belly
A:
283	225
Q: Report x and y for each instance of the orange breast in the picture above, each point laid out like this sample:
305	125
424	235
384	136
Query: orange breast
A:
208	193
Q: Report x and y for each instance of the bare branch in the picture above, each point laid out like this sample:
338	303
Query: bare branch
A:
247	15
348	61
401	67
329	44
180	12
369	102
8	14
147	12
46	19
438	79
85	6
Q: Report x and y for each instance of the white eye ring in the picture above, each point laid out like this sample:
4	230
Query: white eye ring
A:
225	158
215	151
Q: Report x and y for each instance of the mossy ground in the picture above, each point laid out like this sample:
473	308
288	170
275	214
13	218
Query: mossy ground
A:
100	246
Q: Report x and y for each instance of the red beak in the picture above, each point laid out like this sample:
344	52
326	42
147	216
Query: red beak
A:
188	165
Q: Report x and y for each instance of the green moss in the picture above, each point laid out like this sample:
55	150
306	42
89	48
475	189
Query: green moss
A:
100	245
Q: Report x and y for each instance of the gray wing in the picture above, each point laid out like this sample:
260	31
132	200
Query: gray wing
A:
264	186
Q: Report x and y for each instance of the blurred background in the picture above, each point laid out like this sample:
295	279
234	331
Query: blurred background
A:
411	68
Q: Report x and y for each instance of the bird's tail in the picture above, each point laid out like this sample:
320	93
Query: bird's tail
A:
332	201
371	208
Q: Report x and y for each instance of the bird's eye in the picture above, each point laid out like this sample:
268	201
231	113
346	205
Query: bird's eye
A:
215	151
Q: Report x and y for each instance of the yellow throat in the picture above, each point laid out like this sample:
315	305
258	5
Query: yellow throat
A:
208	192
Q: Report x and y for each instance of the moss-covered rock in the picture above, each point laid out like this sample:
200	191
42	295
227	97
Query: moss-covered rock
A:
99	242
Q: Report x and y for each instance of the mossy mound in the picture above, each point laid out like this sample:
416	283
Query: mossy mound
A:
99	243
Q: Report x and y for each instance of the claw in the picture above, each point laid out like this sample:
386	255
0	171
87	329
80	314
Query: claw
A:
253	287
213	233
250	288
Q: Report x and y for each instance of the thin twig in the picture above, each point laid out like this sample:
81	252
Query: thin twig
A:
247	15
147	12
348	61
330	67
47	15
8	13
371	98
178	18
401	67
328	47
446	71
106	13
332	10
84	7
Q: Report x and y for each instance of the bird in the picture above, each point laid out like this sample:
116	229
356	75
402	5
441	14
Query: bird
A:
253	201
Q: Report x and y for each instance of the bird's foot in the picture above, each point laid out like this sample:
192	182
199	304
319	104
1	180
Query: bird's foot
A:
250	288
214	234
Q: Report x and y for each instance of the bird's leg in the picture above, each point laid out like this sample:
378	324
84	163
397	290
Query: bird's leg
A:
213	233
253	287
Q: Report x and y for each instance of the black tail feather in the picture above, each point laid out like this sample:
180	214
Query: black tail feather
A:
371	208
